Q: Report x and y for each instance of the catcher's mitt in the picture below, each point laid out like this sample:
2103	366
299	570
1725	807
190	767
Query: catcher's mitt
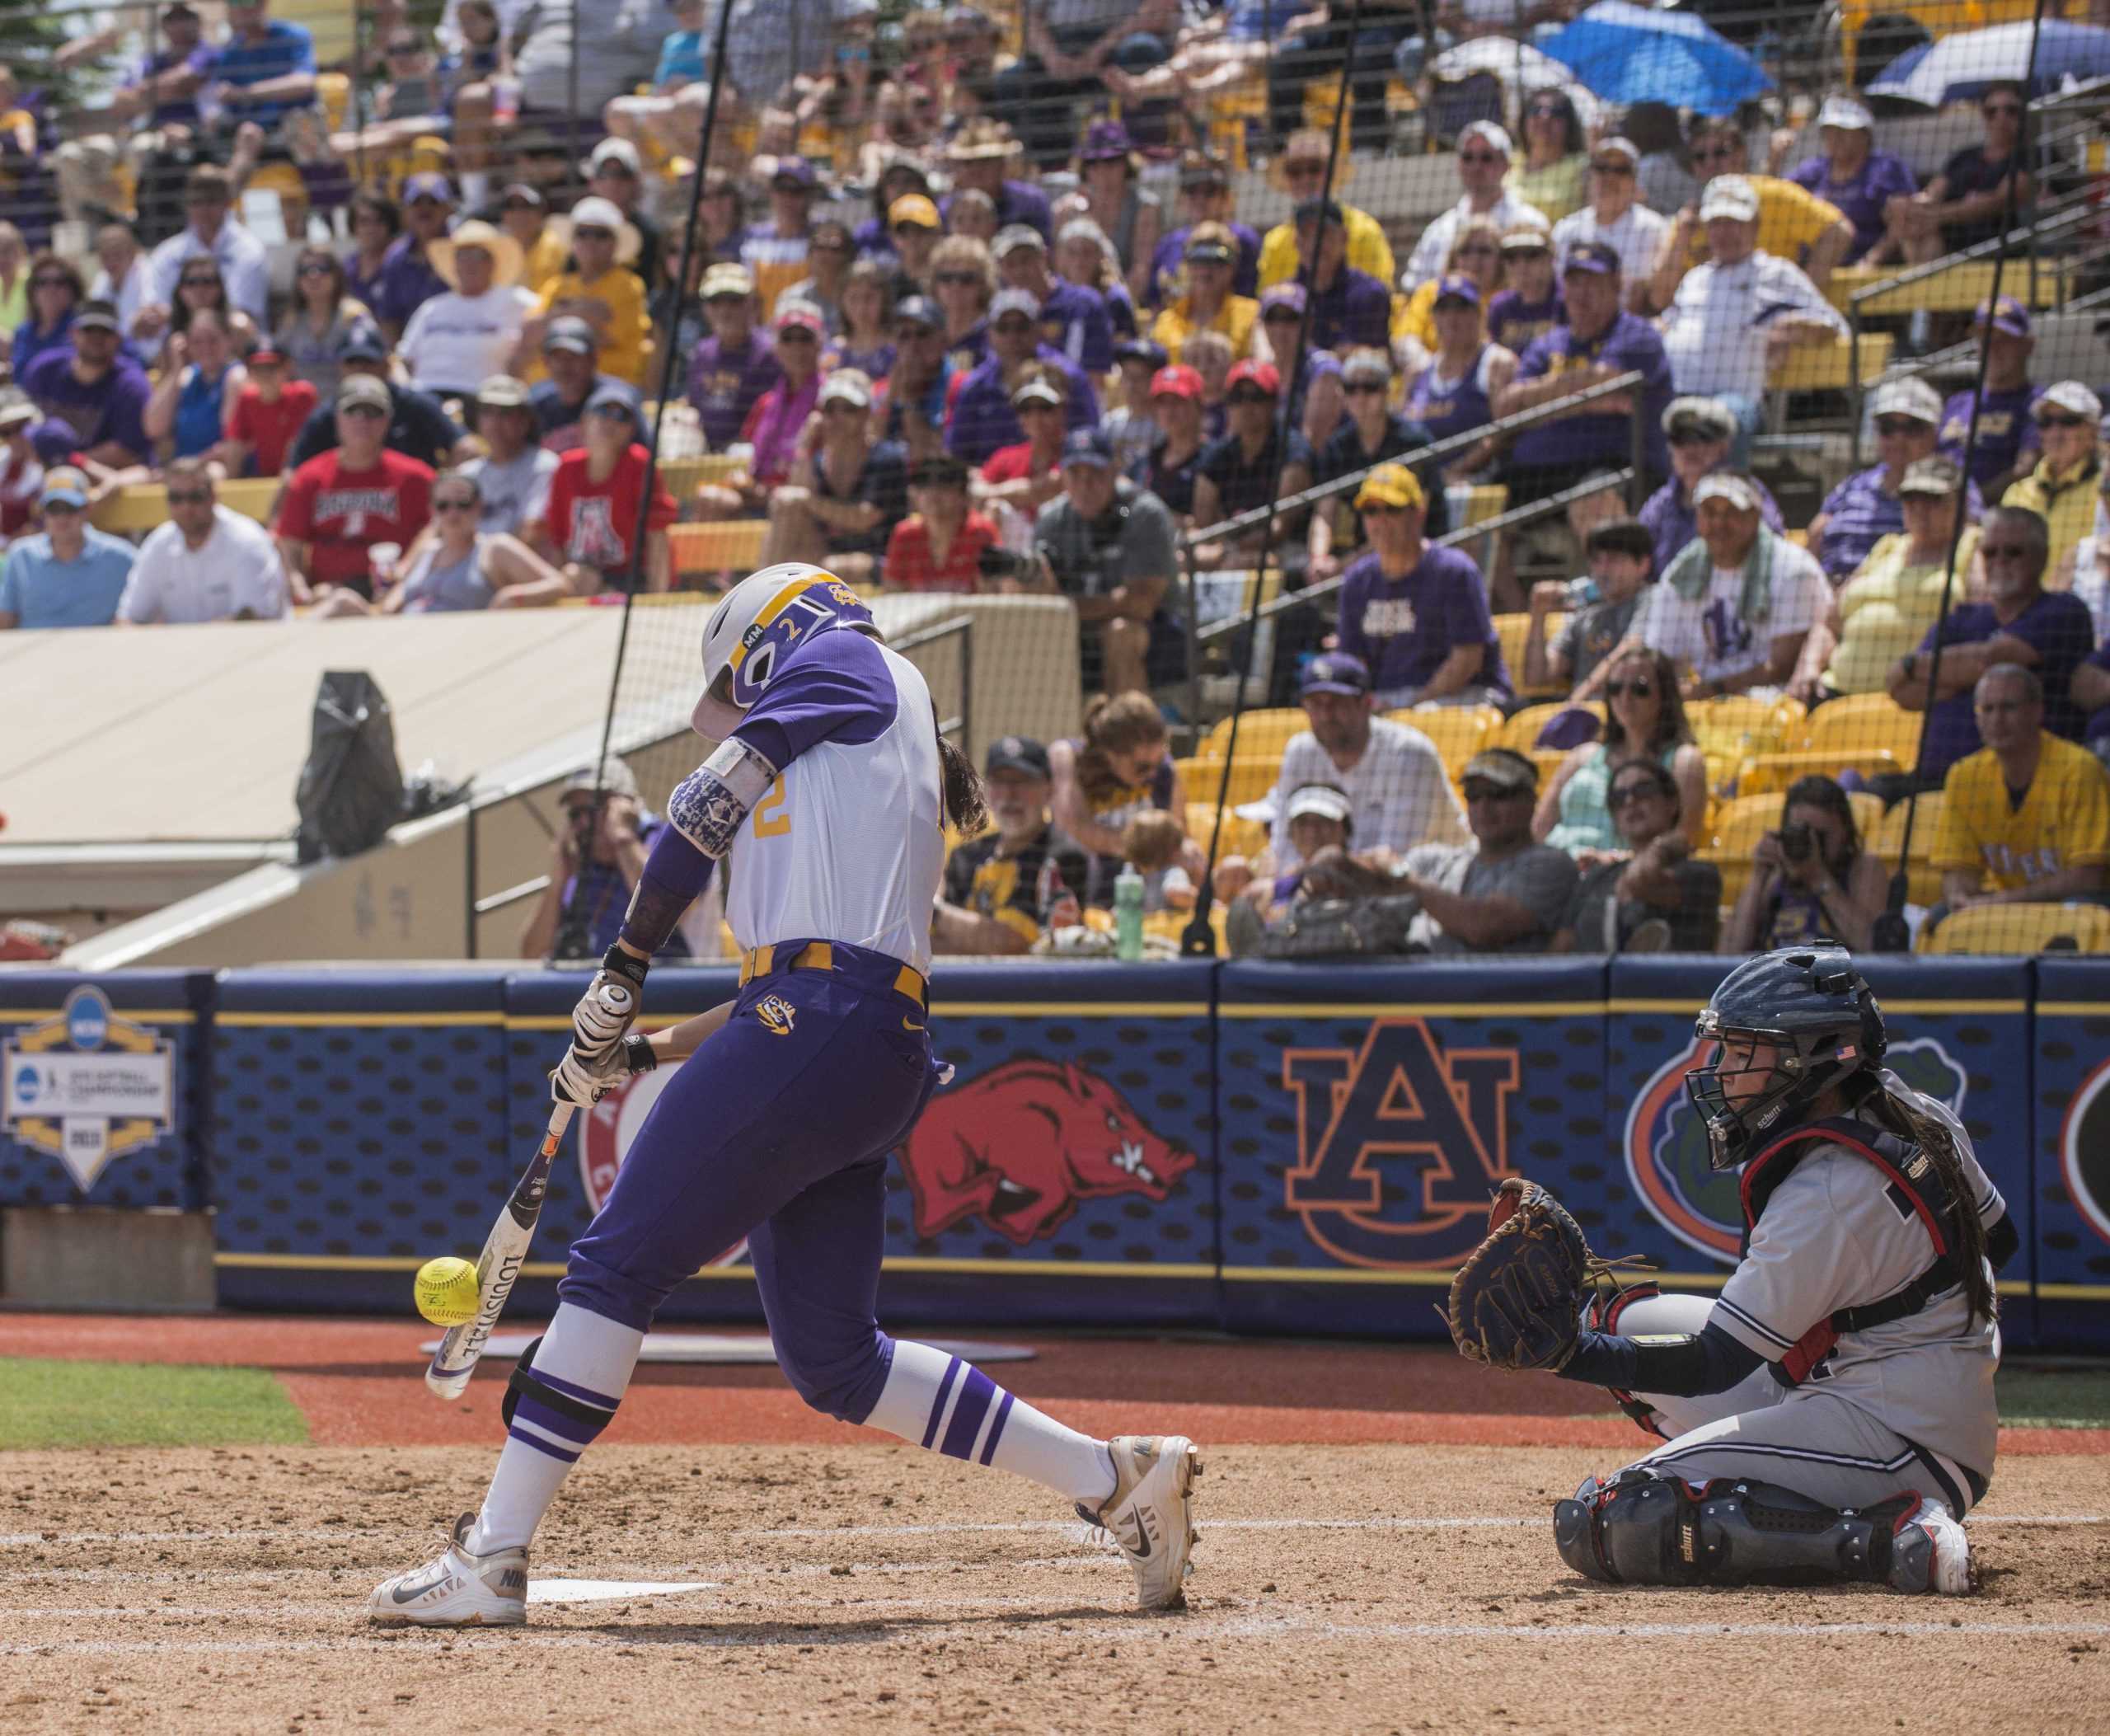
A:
1517	1301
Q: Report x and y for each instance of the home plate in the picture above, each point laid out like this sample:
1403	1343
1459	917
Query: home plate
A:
607	1591
740	1347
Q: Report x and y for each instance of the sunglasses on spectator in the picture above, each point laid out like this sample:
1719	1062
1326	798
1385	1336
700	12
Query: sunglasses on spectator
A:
1363	388
2003	108
189	496
1479	789
1039	410
402	49
452	504
1695	437
1481	156
363	409
1632	791
2004	551
827	246
957	277
1616	167
1888	425
207	280
1530	253
1641	686
318	270
51	282
841	409
1015	327
1303	170
909	334
1484	249
593	232
726	299
2061	421
1281	316
1716	152
796	334
1547	111
1242	396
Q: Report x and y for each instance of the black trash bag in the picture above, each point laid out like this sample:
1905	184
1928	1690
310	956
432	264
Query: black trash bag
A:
351	789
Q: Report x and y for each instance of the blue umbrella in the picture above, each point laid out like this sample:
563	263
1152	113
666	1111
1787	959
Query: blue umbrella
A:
1957	68
1630	54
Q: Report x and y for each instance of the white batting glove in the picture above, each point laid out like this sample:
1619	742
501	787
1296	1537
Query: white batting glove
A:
582	1082
604	1014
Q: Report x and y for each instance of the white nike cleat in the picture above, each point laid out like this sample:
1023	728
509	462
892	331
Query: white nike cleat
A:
1931	1553
458	1590
1147	1512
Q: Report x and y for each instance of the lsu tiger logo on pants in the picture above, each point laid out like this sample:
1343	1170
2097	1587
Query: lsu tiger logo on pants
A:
1399	1144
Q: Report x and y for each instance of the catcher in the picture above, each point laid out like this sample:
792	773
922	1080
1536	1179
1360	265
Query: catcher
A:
1830	1417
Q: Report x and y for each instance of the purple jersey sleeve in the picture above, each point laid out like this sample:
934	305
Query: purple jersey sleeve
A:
838	688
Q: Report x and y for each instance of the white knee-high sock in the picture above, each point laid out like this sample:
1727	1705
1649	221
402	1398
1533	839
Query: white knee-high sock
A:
587	1358
936	1400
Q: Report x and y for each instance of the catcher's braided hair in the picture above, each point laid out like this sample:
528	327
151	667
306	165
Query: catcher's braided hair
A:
1907	1120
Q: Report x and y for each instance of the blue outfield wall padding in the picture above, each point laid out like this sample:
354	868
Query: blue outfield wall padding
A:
1959	1029
2070	1168
109	1072
1367	1112
1065	1176
358	1129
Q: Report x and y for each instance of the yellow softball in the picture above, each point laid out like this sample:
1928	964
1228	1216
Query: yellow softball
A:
446	1292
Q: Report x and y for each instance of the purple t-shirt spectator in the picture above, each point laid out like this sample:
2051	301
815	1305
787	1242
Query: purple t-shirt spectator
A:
1673	521
779	417
286	49
406	282
182	112
1516	324
1076	321
1403	628
1171	258
2057	624
1355	313
110	409
1629	343
1858	514
2006	430
982	419
724	384
1862	196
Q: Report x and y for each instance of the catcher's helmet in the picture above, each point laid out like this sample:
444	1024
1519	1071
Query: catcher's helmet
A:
1817	1008
761	620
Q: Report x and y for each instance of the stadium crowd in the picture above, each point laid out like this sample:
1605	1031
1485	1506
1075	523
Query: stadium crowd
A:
953	326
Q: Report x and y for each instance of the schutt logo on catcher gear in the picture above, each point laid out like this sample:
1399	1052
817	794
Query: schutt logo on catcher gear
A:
1021	1145
1399	1144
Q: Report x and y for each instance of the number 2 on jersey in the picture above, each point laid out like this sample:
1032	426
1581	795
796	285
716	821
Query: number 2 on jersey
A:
770	818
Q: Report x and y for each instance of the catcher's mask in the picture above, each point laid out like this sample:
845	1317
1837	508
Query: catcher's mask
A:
1821	1017
759	622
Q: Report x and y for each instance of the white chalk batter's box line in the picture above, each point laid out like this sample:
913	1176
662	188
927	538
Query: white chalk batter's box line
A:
1067	1528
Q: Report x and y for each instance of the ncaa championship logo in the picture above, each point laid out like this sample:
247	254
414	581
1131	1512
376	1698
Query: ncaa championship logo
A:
1399	1144
2084	1150
1666	1153
85	1085
606	1133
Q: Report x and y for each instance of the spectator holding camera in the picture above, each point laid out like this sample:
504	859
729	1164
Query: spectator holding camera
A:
1653	897
1811	879
942	544
1001	889
596	859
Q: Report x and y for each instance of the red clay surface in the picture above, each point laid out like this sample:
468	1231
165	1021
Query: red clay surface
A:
359	1381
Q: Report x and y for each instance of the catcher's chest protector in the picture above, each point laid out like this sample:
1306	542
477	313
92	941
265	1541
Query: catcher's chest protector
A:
1915	1187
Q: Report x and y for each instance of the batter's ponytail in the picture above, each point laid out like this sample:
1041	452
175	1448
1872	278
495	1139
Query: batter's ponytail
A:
1904	1117
965	808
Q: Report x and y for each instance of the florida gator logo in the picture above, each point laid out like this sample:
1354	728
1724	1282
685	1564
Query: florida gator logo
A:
1399	1144
1023	1144
1666	1146
2084	1150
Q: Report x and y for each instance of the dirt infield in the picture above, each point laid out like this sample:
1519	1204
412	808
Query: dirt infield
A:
1375	1555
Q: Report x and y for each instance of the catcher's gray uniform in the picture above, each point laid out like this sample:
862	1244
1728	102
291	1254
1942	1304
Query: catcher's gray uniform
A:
1905	1406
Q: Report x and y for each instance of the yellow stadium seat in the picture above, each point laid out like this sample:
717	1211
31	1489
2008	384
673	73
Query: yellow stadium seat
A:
1458	731
1240	837
1861	721
1521	731
1763	774
333	91
1925	883
283	179
1259	733
1252	777
1547	759
1732	729
1736	829
2021	928
726	545
1830	367
1489	500
1867	815
683	476
1510	632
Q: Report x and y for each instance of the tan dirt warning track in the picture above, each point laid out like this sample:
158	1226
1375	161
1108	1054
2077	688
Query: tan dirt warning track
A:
1337	1588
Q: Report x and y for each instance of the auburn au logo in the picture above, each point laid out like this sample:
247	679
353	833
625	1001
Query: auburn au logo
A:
1399	1144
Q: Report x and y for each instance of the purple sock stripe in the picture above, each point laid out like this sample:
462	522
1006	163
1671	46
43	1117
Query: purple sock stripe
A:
996	1428
585	1395
556	1423
539	1445
976	1394
938	1407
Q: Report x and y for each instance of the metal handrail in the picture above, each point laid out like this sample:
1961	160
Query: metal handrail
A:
963	626
1552	409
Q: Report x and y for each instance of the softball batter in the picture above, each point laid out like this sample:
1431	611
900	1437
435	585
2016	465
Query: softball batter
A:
827	797
1831	1415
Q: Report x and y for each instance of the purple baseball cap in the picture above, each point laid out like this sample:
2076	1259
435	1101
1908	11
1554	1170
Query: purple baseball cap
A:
427	185
2006	315
1283	295
1104	141
1336	672
1457	286
1601	257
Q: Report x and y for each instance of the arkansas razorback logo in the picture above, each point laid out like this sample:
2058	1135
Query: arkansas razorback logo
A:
1021	1145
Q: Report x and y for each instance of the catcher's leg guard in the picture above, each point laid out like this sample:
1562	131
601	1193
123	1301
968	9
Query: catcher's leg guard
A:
1642	1529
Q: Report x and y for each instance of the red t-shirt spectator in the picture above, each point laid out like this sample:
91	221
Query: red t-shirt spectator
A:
1014	463
592	523
22	481
340	513
270	428
910	565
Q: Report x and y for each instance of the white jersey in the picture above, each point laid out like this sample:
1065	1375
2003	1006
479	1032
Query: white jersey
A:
848	844
1836	1233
